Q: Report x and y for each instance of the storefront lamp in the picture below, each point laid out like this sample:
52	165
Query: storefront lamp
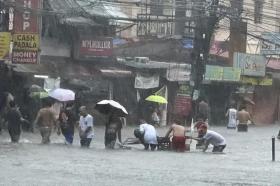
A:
41	76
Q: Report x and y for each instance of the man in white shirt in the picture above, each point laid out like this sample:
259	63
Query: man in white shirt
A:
150	135
232	117
85	127
213	138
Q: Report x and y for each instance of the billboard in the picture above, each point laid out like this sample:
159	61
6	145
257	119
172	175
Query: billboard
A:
95	47
219	48
271	43
26	32
250	64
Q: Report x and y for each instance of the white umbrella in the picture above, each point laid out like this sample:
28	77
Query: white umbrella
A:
112	103
62	94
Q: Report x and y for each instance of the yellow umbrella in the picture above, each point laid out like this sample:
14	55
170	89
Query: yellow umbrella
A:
157	99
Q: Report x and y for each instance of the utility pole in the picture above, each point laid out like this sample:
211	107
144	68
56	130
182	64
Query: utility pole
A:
238	39
205	15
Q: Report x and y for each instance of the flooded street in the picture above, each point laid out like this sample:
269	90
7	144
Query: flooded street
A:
247	161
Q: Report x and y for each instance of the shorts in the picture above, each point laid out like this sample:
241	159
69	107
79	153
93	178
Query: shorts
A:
219	148
178	143
85	142
45	133
242	128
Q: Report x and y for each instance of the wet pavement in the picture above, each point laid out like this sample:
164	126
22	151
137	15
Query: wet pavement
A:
246	161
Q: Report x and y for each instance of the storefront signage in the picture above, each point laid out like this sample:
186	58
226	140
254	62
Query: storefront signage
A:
180	73
26	57
98	47
26	42
250	64
213	73
184	89
263	81
26	20
5	39
231	74
218	73
183	105
26	32
271	43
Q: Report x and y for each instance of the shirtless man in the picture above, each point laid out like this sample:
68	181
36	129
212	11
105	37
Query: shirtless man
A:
46	121
203	110
178	139
243	117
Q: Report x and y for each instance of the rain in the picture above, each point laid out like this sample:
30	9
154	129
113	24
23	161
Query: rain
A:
139	92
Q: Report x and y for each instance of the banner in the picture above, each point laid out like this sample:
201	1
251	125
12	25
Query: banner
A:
143	81
180	73
26	32
5	40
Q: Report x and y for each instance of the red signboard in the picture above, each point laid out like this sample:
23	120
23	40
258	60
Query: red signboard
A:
98	47
25	20
183	105
26	32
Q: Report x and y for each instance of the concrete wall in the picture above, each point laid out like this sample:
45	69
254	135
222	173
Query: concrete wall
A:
266	104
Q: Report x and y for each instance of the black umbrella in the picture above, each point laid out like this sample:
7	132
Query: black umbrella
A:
109	106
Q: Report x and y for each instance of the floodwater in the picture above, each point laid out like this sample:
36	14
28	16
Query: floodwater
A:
246	161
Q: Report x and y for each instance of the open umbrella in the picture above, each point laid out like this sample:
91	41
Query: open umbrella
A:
156	98
61	94
106	106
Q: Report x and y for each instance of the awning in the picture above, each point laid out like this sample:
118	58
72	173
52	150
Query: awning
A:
109	10
274	64
58	69
78	21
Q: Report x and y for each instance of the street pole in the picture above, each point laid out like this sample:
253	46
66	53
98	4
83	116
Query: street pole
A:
198	58
273	147
205	22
